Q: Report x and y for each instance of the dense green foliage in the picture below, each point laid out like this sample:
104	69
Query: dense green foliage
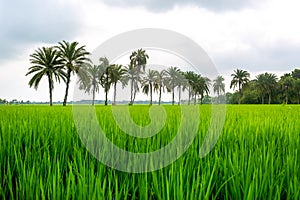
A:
256	157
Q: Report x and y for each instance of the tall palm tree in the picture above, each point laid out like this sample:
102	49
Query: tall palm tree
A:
138	61
219	86
239	78
90	79
191	77
133	76
173	74
203	85
73	57
160	83
117	74
182	85
106	76
148	83
46	62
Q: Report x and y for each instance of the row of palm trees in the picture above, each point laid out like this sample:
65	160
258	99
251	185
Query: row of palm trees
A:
60	62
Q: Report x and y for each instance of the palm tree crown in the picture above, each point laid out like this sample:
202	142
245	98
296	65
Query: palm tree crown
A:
239	78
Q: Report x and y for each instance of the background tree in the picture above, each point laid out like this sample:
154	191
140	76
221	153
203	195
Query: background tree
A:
106	76
148	83
117	74
46	62
172	80
73	57
191	77
203	85
138	61
219	86
90	79
160	84
239	78
296	77
286	83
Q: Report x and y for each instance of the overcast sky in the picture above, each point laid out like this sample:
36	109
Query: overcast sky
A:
254	35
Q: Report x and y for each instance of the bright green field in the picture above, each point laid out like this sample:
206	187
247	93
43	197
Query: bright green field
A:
257	156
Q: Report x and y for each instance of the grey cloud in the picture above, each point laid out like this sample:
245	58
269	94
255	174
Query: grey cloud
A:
32	21
164	5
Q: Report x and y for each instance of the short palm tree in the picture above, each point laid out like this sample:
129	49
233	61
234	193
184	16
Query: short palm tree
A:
173	74
90	79
148	83
202	87
106	76
266	83
160	83
138	61
219	86
117	74
191	77
73	57
46	62
239	78
133	76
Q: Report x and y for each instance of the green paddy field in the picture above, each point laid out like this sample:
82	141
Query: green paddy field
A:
256	157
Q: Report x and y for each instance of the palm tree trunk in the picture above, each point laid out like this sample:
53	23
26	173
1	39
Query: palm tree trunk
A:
173	98
262	99
286	96
106	93
270	97
115	93
50	90
240	93
94	91
189	101
131	91
67	87
195	97
179	95
159	99
150	94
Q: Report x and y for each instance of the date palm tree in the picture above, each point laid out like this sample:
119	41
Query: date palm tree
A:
73	57
148	83
191	77
239	78
219	86
172	80
138	61
134	77
182	85
202	88
106	80
90	79
117	74
46	62
160	83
